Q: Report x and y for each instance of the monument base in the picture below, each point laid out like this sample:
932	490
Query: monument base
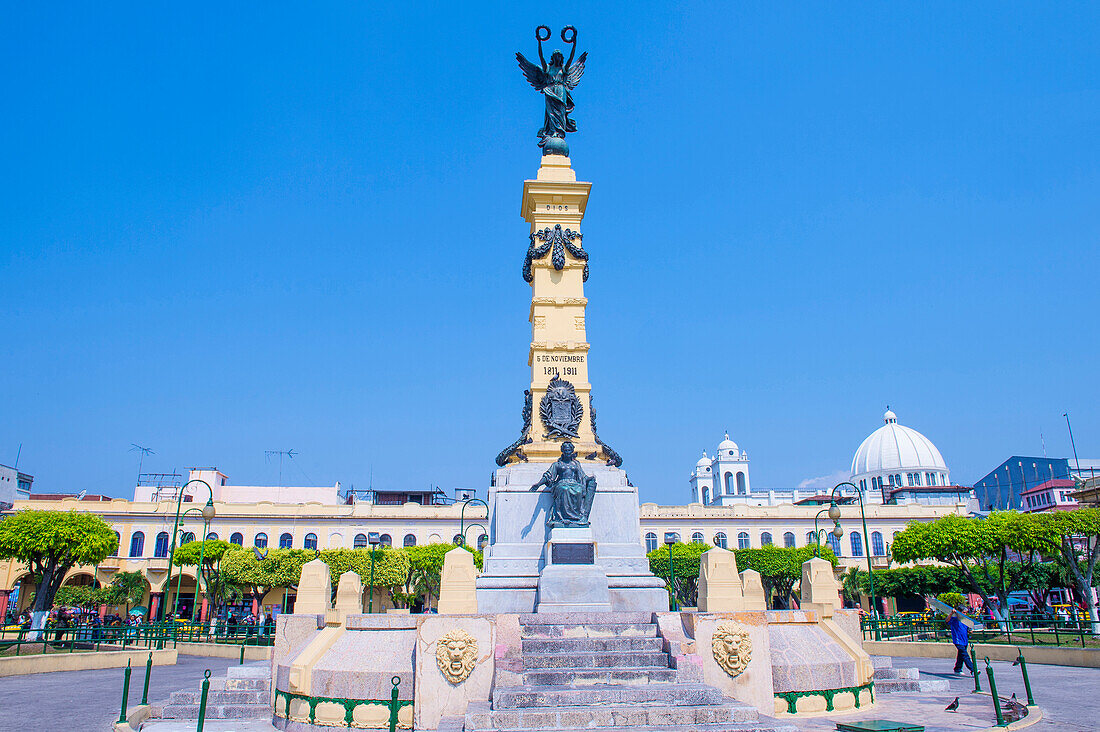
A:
522	546
571	581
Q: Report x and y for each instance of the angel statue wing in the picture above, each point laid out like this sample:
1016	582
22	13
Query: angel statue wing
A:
534	74
575	72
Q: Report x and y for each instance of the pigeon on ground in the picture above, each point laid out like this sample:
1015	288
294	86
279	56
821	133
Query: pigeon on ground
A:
952	706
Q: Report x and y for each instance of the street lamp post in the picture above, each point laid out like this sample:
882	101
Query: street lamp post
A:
462	516
176	525
373	539
866	550
834	513
670	539
208	508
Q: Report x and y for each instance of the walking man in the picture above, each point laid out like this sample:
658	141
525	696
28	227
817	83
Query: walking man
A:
960	637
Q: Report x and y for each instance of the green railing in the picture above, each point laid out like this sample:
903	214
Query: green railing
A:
147	634
1018	630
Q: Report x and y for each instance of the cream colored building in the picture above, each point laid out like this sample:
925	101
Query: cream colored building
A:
144	530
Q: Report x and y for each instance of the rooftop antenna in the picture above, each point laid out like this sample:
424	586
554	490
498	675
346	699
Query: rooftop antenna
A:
1044	443
144	451
17	454
289	453
1071	442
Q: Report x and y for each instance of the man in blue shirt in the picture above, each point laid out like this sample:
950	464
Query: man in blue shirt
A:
960	637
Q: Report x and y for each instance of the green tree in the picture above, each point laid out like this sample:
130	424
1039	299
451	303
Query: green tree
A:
130	587
1074	539
685	565
424	573
214	586
994	555
50	543
780	568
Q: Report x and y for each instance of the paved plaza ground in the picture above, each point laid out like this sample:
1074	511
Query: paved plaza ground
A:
65	701
89	700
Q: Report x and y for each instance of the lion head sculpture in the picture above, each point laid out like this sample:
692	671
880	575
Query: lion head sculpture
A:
456	654
732	647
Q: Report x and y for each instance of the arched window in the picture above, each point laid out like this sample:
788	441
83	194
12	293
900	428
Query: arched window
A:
650	542
788	540
482	541
878	549
137	544
160	549
286	541
187	538
261	540
675	536
729	483
310	541
697	537
118	543
385	540
720	539
857	544
743	540
360	541
457	540
810	540
410	540
766	539
236	538
211	536
706	496
741	487
834	544
896	535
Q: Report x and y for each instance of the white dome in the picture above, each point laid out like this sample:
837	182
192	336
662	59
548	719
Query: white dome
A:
894	447
727	444
704	462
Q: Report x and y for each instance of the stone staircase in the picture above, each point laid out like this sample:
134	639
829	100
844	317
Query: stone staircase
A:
889	679
608	673
244	693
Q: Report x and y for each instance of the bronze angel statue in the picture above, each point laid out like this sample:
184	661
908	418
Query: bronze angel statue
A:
555	80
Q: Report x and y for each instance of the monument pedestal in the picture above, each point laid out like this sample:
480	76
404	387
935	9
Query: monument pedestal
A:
570	580
522	546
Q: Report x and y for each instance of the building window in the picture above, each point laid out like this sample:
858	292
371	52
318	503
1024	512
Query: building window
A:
237	538
160	549
891	480
766	539
211	536
720	540
788	540
360	541
729	486
697	537
878	548
743	540
741	487
410	540
834	544
310	541
118	543
810	538
385	540
187	538
706	496
286	541
857	544
261	540
137	544
650	542
457	540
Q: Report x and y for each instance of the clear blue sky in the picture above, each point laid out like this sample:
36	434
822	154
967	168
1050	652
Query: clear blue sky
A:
230	229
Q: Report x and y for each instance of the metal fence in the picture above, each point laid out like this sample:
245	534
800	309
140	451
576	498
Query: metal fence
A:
1018	630
159	635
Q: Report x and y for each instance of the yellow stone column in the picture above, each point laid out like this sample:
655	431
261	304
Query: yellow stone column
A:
554	205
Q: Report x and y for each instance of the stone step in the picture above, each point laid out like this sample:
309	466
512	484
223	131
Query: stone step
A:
599	676
896	673
248	672
589	630
246	684
882	662
221	697
217	711
924	686
611	644
605	659
524	697
762	726
604	716
584	618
